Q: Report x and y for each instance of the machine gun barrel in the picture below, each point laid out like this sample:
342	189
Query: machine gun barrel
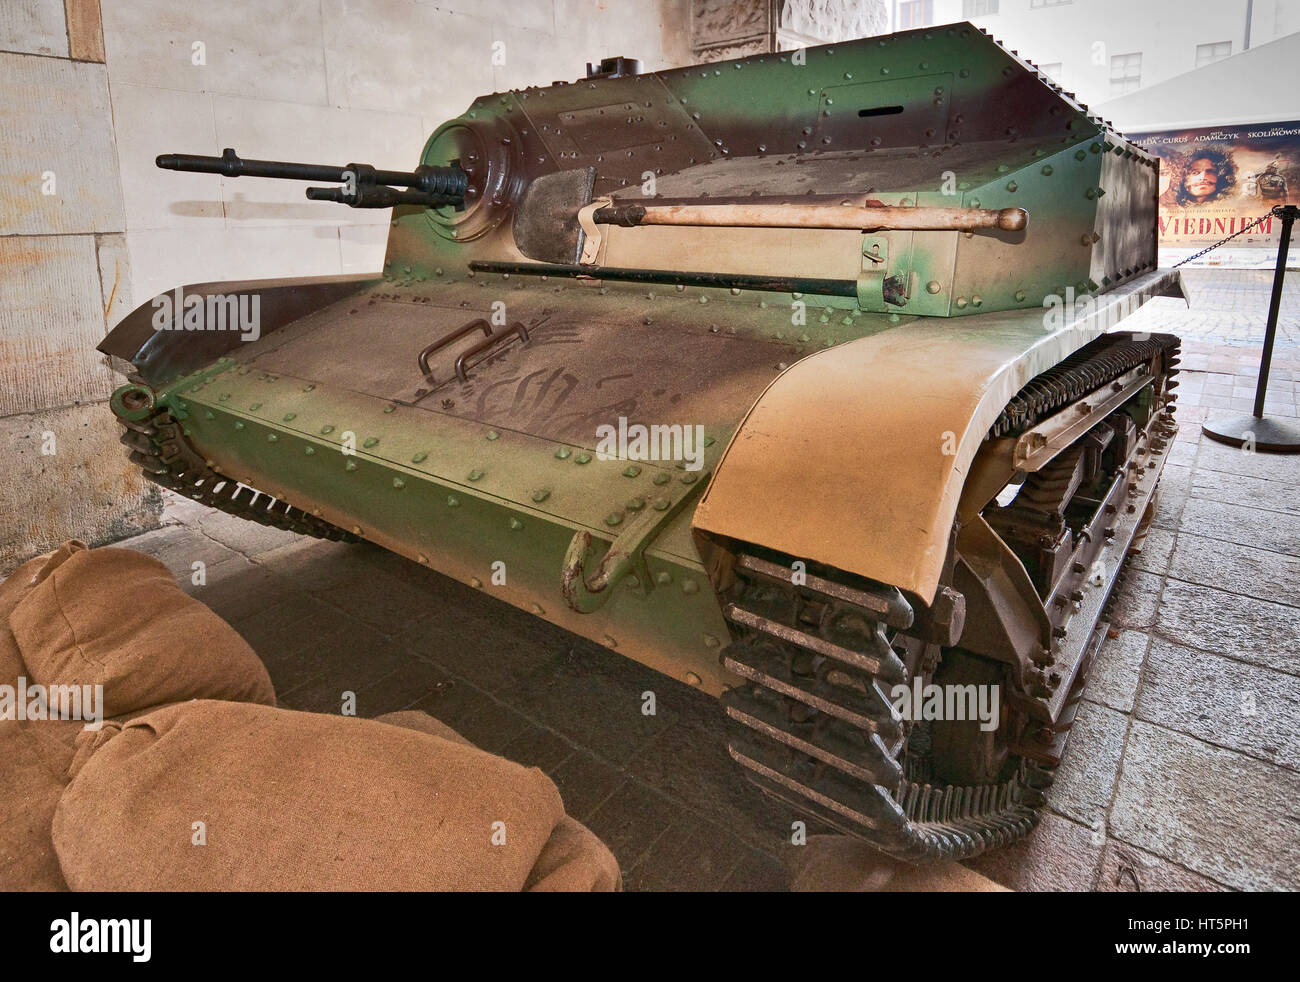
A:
363	185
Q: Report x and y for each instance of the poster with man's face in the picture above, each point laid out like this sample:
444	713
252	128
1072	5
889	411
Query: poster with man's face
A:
1215	180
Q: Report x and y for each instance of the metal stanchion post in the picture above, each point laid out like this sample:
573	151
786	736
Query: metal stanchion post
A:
1264	432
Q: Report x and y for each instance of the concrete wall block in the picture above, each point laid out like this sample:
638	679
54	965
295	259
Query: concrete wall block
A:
150	122
249	48
400	56
114	277
535	15
51	318
362	247
532	58
86	489
313	134
34	27
56	134
163	259
588	30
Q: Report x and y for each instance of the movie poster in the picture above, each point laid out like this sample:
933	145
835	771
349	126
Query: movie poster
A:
1215	180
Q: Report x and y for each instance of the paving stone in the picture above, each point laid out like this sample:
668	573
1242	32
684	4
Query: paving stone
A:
1086	777
1136	601
1246	526
319	564
1222	701
693	854
406	685
1182	453
376	599
1127	869
347	662
1236	568
493	727
178	547
1156	549
237	589
453	702
759	872
1282	468
536	746
1058	855
1175	486
485	640
1217	812
1113	678
690	763
585	781
1256	631
245	537
631	820
288	626
593	697
1253	492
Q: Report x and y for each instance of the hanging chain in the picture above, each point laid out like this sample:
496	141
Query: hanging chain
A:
1211	248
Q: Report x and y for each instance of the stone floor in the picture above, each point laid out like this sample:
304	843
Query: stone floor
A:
1183	771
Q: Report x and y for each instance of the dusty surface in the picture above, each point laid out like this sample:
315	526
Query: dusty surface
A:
1182	772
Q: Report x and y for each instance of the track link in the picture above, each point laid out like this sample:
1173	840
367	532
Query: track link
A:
1089	368
158	447
819	732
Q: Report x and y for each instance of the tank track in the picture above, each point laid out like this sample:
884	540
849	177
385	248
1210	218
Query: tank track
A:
812	726
158	447
1091	367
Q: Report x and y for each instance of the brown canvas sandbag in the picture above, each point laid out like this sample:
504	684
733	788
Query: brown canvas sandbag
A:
34	760
573	859
116	617
13	589
416	719
295	801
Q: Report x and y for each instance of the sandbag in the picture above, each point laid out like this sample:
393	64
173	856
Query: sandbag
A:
13	589
116	618
34	761
417	719
296	801
573	859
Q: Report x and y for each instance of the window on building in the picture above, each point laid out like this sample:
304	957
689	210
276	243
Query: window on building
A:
978	8
1036	4
1215	51
915	13
1125	73
1052	71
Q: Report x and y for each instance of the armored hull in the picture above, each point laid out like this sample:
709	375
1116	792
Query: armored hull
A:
802	379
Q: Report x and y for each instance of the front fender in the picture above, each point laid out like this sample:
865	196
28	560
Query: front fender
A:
856	456
161	355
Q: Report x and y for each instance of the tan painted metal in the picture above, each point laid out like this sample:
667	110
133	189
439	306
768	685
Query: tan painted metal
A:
835	216
856	456
592	237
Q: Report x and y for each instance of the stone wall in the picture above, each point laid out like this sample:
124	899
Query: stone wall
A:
723	29
64	278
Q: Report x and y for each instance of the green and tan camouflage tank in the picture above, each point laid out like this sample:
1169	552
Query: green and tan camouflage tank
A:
800	378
